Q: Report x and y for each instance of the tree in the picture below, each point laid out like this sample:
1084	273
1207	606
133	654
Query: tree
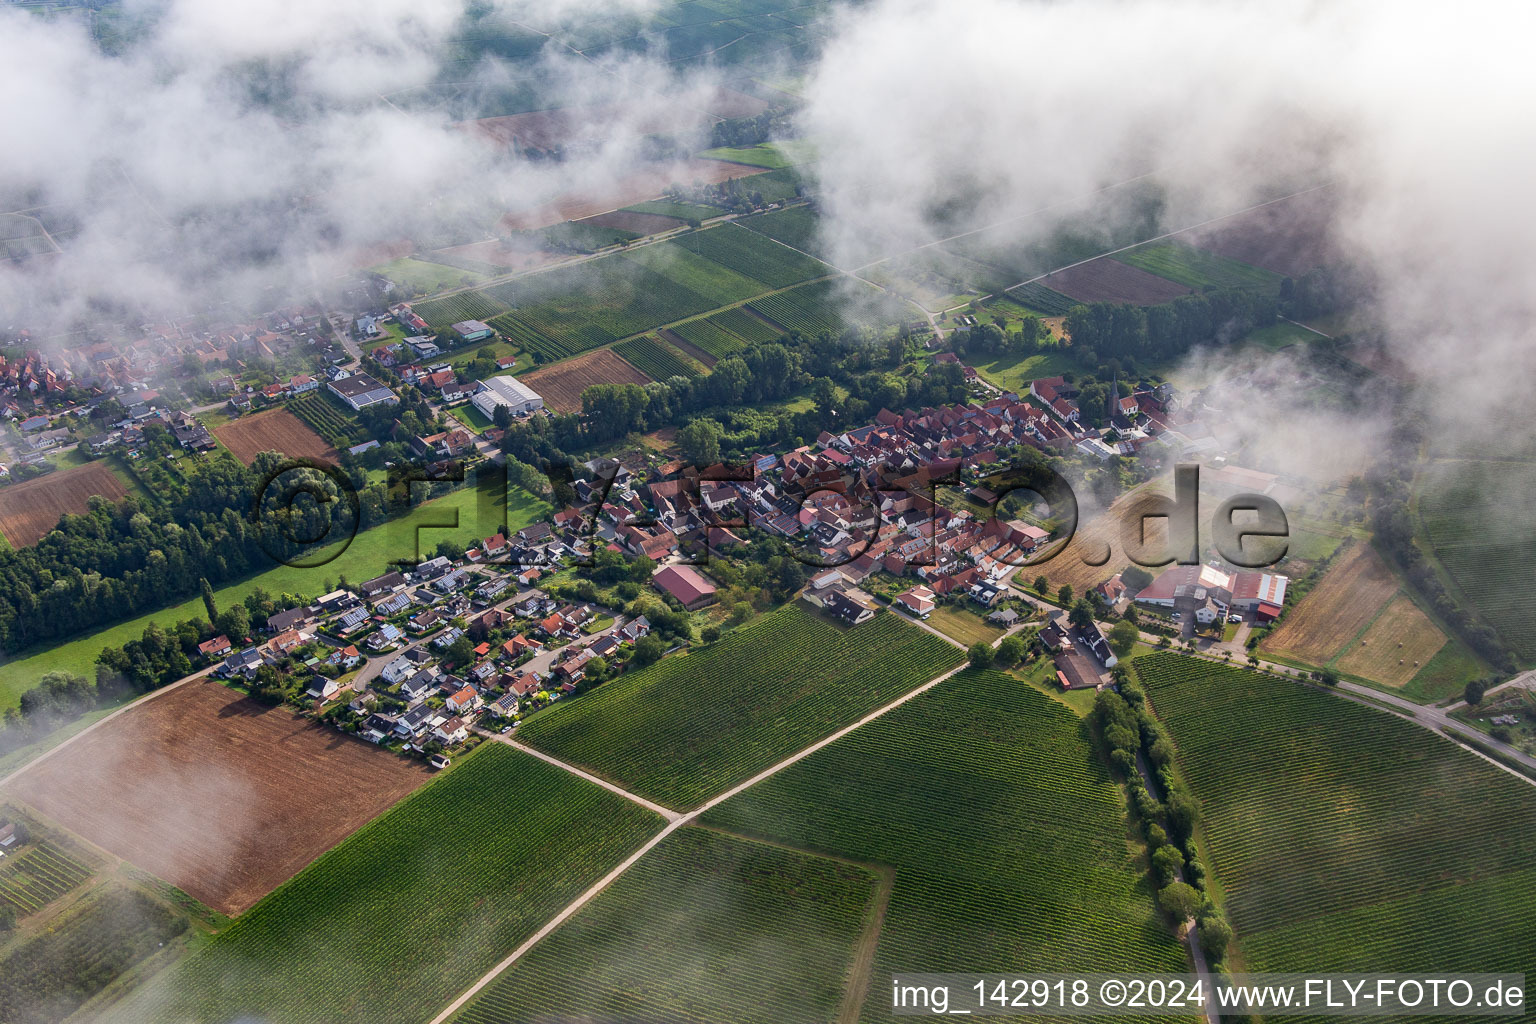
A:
1011	650
1042	585
711	634
235	623
981	655
1135	578
1122	637
208	601
461	651
1329	677
1474	692
1167	862
1179	899
1215	935
648	650
1064	595
1081	615
699	442
7	917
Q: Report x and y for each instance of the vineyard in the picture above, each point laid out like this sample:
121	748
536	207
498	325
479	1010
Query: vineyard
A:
745	326
414	907
325	418
1345	838
709	337
1038	297
705	928
35	878
689	727
805	310
655	359
1198	268
796	226
1479	518
44	979
754	255
1006	834
461	306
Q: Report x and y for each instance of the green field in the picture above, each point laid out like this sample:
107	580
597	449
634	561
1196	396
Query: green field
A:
710	337
423	277
656	359
47	976
1479	518
753	254
796	226
1041	299
400	918
689	727
746	326
1007	835
963	625
1346	839
762	155
570	310
326	418
809	309
706	928
368	555
1198	268
455	308
682	211
1014	372
37	876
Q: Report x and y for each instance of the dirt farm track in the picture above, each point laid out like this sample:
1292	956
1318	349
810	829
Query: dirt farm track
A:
29	510
216	793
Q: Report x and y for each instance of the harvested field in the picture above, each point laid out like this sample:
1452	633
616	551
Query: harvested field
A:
1401	641
636	223
216	793
29	510
1096	536
275	430
1350	594
1289	237
561	385
1109	280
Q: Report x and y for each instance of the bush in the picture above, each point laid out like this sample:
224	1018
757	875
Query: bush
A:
981	655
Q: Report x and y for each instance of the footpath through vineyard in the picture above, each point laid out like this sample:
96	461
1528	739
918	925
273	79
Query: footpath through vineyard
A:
677	821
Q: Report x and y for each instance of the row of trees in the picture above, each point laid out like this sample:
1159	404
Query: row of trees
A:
1109	330
1130	732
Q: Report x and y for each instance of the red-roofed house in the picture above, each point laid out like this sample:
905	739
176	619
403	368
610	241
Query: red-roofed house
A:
686	584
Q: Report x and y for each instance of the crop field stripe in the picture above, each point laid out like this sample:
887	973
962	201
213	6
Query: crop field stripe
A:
682	730
750	329
451	309
1334	815
759	257
1038	297
655	359
1198	268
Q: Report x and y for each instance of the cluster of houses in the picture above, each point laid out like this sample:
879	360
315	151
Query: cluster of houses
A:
394	633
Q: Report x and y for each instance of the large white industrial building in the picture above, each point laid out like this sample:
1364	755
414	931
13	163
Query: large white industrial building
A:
506	392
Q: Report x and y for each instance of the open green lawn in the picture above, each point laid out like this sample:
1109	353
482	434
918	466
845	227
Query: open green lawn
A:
409	911
691	726
1278	336
471	416
367	556
963	625
1346	839
1014	372
424	277
1007	836
763	155
707	927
